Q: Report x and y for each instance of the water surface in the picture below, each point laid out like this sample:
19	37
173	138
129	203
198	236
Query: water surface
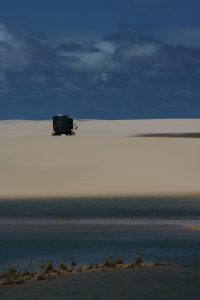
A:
91	229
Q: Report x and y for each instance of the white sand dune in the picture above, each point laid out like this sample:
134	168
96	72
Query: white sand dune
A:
103	159
102	127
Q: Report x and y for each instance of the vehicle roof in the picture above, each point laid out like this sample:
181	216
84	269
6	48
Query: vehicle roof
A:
59	116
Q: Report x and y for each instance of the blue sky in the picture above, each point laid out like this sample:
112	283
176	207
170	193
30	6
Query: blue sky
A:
104	59
58	18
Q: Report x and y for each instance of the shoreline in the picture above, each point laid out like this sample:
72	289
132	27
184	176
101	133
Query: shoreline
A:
133	197
15	277
175	281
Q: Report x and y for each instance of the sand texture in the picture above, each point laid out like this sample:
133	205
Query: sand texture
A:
105	158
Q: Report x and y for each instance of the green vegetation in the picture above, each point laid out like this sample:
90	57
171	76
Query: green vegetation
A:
112	262
48	268
74	263
139	259
63	267
13	276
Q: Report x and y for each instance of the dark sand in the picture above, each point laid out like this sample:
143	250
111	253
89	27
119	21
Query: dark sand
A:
152	283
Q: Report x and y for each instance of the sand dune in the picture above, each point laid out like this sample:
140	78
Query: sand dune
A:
103	159
102	127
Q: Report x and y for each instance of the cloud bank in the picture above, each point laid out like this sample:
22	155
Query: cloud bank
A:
123	75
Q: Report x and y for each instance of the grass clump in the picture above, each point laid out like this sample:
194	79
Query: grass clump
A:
112	262
119	260
48	268
63	267
12	274
139	259
74	263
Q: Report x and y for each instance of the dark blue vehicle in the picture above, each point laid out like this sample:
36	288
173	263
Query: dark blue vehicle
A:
63	124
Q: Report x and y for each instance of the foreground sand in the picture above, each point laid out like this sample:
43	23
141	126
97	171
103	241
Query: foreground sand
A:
147	283
104	159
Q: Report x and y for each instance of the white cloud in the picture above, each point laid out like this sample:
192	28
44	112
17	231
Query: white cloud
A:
100	60
13	52
93	59
139	50
106	47
4	34
9	38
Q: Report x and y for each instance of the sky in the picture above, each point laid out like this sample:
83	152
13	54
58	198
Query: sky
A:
114	59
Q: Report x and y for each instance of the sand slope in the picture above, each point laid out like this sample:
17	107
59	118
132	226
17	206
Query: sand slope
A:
98	162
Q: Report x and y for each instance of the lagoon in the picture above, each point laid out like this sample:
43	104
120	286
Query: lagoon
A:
36	231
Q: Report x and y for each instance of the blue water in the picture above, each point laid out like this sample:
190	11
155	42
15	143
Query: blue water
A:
35	231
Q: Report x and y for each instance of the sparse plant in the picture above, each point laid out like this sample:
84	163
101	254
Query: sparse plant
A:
139	259
131	265
112	262
109	262
96	265
30	267
119	260
63	267
74	263
157	264
90	266
11	275
42	266
13	270
81	269
58	272
26	273
28	270
48	268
